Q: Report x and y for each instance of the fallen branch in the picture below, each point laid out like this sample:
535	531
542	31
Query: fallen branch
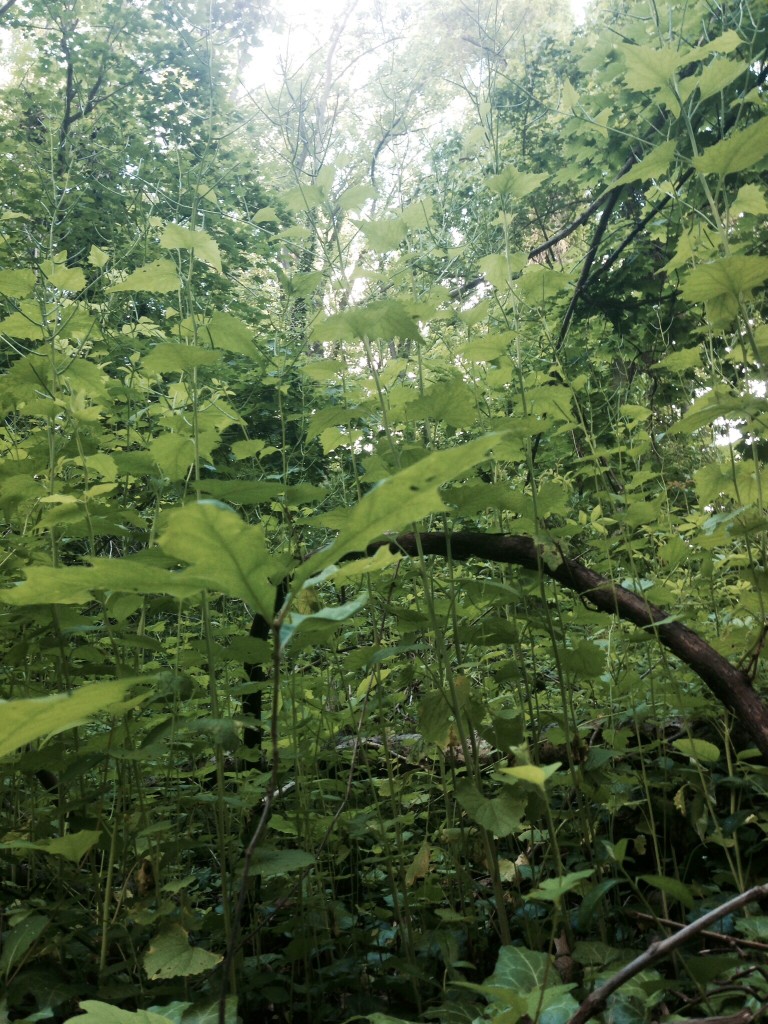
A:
658	950
731	685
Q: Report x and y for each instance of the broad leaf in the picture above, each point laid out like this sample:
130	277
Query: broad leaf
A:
171	956
199	243
223	553
158	276
24	721
741	150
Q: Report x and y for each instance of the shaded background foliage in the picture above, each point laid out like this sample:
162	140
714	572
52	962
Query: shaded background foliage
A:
511	283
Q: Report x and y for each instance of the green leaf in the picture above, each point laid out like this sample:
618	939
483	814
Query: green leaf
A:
385	319
159	276
383	235
539	284
683	359
654	165
198	242
171	956
17	284
501	815
739	151
401	500
514	183
671	887
749	199
24	721
586	660
653	70
534	774
227	332
102	1013
223	553
72	847
730	275
354	197
176	357
173	454
725	43
719	74
303	198
264	215
497	268
76	584
59	275
698	750
450	403
334	613
26	324
20	938
521	969
97	257
553	889
281	862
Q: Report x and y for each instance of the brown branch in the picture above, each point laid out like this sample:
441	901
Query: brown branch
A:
593	207
658	950
730	685
7	6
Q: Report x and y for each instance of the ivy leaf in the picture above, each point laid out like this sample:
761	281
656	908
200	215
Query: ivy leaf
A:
159	276
501	815
521	969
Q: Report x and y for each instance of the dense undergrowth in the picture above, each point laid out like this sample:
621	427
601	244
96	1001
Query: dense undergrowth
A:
241	343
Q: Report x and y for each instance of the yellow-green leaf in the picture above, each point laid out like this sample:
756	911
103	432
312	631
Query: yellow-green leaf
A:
699	750
651	166
738	152
29	719
223	553
171	956
159	276
199	243
17	284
